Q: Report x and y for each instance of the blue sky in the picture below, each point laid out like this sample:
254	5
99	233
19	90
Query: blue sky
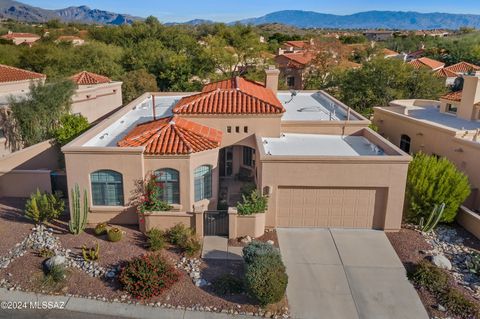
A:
225	10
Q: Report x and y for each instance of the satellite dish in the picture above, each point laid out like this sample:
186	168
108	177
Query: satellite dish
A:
293	93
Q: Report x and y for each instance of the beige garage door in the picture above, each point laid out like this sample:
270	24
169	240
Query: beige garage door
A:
325	207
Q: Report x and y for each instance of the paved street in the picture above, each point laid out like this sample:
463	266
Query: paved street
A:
49	314
346	274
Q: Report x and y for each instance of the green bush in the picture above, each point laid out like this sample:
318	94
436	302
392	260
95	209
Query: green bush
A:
252	204
227	285
71	126
191	246
431	182
178	234
248	188
54	276
100	229
148	276
43	207
436	281
256	249
114	234
155	239
266	279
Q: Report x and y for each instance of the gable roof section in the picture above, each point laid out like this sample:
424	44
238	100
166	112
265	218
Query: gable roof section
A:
388	52
463	67
426	62
445	73
89	78
172	136
233	96
453	96
296	44
298	60
12	74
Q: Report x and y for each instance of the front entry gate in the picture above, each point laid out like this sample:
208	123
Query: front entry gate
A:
215	223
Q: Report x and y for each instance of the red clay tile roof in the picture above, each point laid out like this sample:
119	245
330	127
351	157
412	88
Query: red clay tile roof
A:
232	96
299	59
426	62
463	67
13	35
88	78
11	74
172	136
445	73
389	52
453	96
296	44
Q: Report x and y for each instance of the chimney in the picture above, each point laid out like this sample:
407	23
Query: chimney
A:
271	79
470	97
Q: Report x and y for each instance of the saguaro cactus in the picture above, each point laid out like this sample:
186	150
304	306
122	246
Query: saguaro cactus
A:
78	218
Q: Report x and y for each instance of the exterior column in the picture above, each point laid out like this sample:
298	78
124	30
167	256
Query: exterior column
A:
232	222
198	211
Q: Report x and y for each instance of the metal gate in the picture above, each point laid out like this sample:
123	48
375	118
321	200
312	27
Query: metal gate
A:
215	223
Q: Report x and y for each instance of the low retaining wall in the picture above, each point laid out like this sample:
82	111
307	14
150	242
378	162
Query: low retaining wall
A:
21	183
245	225
469	220
168	219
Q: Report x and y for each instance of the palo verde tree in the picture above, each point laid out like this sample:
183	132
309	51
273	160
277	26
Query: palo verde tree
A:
432	181
36	117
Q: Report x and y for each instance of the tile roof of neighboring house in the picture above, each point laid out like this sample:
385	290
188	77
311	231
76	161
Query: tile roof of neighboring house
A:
445	73
426	62
417	53
453	96
89	78
463	67
13	35
11	74
172	136
389	52
296	44
299	59
233	96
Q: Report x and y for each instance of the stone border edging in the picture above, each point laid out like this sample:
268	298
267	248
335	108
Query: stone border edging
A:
119	309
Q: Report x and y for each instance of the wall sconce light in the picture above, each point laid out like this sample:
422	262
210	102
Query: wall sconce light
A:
419	134
267	191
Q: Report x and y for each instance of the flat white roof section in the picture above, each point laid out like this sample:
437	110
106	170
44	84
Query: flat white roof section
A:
320	145
312	106
141	113
433	114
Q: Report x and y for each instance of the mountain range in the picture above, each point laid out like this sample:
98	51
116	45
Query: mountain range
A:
301	19
10	9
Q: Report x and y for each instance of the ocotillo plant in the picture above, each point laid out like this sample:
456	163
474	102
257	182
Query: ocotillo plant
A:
78	219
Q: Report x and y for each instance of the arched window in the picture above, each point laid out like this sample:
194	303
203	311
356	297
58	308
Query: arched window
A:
168	179
203	182
107	188
405	143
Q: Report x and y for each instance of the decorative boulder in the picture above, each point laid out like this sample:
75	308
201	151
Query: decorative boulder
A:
56	260
441	262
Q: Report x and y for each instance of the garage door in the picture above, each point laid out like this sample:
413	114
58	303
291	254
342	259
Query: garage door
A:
326	207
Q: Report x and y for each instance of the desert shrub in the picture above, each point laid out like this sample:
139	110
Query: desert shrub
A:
114	234
148	276
100	229
436	281
46	253
252	204
92	253
155	239
473	263
151	197
178	234
432	181
43	207
227	285
191	246
266	279
54	276
258	248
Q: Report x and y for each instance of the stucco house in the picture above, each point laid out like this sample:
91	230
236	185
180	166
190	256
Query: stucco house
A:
447	128
21	38
315	158
74	40
96	95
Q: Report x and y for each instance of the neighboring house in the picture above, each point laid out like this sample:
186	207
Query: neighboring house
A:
415	54
14	82
21	38
428	63
74	40
452	72
315	158
378	35
96	95
293	66
387	53
295	46
447	128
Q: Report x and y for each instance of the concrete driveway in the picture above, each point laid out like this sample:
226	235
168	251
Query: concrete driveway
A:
343	274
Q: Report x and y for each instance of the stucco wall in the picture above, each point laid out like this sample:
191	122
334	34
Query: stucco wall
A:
95	101
433	139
